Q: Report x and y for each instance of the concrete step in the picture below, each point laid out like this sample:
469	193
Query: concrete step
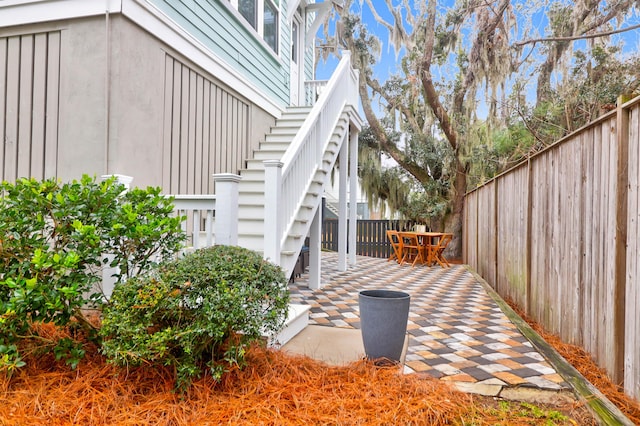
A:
297	320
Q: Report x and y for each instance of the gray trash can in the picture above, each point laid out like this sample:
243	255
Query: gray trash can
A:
383	322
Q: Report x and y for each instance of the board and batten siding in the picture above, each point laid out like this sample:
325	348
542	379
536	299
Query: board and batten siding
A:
29	97
225	33
206	131
559	234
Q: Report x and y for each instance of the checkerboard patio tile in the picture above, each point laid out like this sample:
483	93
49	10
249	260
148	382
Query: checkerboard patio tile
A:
456	330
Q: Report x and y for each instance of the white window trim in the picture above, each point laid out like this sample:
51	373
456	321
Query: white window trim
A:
260	22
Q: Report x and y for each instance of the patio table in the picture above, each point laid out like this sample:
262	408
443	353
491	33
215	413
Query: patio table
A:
424	247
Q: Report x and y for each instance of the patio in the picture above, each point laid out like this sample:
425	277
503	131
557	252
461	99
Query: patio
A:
457	332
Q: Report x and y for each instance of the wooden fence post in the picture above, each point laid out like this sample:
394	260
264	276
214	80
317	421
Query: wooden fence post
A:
622	136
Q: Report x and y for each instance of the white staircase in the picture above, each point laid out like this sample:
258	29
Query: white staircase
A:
251	193
251	201
270	207
280	191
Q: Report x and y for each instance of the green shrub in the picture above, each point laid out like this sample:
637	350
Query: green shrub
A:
53	238
202	310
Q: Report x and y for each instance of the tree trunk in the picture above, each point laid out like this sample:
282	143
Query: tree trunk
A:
454	221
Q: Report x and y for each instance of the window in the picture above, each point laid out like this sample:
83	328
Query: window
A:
262	15
270	25
294	42
247	8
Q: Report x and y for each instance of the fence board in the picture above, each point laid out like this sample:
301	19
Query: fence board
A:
612	329
470	246
632	308
538	243
486	233
512	216
588	273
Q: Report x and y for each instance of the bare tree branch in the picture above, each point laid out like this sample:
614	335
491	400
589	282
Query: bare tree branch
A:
576	37
431	94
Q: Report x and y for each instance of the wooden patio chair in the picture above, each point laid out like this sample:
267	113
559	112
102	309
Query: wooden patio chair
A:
396	245
411	249
439	249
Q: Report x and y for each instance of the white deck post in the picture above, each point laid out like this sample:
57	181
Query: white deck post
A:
342	205
315	249
353	197
108	280
272	195
226	223
122	179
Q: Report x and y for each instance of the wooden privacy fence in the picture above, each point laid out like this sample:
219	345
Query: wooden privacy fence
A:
371	235
560	235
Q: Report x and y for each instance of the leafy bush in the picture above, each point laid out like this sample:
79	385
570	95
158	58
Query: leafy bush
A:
201	310
53	238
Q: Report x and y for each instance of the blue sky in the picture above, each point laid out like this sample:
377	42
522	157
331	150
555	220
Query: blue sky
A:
387	63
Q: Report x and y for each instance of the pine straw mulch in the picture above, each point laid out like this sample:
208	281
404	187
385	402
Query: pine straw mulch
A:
275	389
584	363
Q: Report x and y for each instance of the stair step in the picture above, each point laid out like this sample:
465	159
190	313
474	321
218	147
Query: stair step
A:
250	197
297	320
251	212
251	228
268	154
250	185
276	144
290	120
255	165
298	109
282	130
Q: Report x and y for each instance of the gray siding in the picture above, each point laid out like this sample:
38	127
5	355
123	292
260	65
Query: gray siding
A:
206	130
84	96
29	89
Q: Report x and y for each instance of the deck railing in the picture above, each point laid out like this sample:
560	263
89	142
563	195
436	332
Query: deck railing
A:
313	89
211	219
288	181
198	211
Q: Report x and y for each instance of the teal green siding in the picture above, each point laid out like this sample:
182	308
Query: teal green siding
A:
214	25
309	54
